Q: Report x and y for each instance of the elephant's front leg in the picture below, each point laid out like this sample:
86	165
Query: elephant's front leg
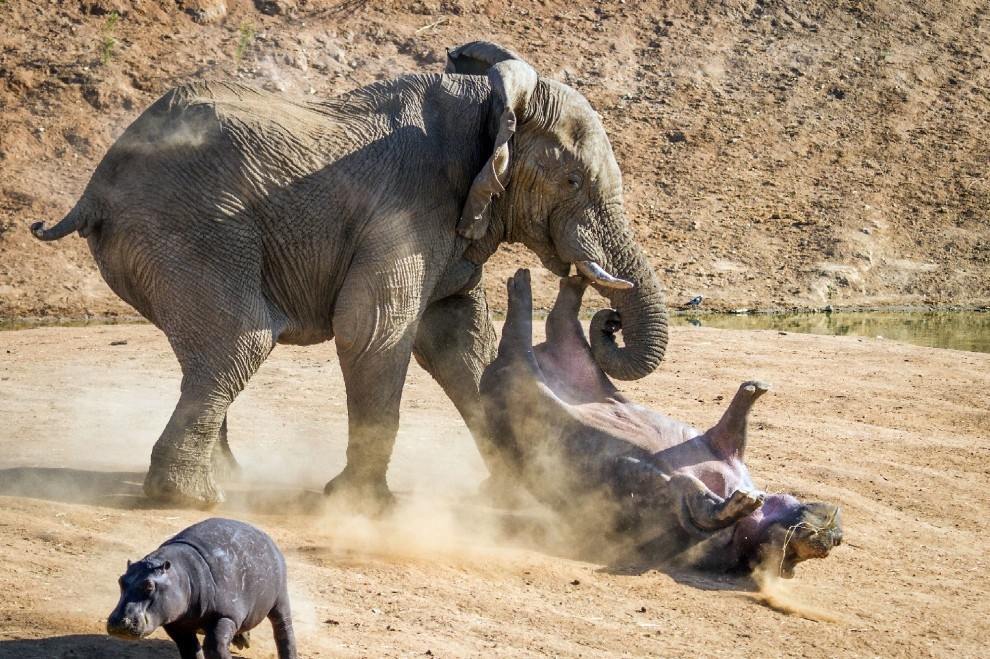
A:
454	343
374	323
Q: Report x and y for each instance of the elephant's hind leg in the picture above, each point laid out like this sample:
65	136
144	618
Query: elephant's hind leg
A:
214	370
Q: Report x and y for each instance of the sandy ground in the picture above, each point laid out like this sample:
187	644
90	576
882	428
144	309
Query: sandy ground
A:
896	434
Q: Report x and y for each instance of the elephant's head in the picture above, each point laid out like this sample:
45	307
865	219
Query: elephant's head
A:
552	183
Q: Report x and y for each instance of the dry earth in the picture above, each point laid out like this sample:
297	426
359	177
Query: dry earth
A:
776	153
896	434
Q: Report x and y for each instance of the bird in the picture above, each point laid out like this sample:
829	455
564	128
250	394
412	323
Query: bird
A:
696	301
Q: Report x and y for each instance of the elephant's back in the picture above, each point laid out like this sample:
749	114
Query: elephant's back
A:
228	125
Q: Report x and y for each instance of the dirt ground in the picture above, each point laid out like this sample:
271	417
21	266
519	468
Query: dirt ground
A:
775	153
895	434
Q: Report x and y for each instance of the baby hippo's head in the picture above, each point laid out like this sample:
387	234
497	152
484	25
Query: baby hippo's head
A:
787	532
149	598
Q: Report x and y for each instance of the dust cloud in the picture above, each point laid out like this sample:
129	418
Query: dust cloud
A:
784	595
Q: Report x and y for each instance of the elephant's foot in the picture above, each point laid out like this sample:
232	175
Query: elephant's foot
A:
364	495
183	485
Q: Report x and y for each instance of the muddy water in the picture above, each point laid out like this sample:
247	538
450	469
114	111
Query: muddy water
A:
959	330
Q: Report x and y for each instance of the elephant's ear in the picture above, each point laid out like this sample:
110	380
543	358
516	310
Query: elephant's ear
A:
513	82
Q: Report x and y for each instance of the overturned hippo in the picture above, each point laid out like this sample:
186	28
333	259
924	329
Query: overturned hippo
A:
585	450
219	577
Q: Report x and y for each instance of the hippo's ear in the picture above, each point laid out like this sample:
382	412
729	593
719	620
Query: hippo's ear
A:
128	562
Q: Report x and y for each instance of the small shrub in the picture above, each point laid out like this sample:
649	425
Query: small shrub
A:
107	40
246	34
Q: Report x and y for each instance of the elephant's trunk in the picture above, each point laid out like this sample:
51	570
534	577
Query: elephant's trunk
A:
641	308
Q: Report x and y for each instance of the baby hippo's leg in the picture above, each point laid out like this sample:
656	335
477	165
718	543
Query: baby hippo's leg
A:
281	619
186	641
242	641
216	645
703	509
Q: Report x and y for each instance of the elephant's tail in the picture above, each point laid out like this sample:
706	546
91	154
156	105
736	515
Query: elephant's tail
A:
80	218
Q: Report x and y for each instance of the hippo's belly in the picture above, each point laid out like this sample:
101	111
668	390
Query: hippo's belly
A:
634	425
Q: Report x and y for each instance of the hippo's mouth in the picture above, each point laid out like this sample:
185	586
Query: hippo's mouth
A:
813	534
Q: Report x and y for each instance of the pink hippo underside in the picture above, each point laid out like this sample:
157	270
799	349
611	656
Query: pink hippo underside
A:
611	467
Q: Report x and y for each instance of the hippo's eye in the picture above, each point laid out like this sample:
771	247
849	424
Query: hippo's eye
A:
149	586
574	181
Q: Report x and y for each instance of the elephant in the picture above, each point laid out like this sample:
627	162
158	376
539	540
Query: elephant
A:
234	219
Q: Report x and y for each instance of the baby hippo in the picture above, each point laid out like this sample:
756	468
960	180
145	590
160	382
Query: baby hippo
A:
220	578
587	451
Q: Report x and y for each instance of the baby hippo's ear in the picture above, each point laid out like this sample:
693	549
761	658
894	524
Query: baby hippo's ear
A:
128	562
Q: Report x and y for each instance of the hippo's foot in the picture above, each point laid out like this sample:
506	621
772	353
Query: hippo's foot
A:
740	504
361	494
183	485
241	641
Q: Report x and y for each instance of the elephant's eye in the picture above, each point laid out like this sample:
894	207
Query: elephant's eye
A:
574	180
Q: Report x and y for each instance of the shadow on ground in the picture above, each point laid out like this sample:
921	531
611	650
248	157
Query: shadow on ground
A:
123	490
86	646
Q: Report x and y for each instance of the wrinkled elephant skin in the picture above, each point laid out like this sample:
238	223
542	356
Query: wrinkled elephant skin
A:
235	219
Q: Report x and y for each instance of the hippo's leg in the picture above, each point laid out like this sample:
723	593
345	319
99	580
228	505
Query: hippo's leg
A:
216	645
281	619
564	323
242	641
225	466
517	333
186	641
703	509
727	438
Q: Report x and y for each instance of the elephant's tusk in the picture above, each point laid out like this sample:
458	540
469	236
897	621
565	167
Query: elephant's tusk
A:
597	275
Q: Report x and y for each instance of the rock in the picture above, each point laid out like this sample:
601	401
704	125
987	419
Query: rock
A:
104	7
276	7
205	11
676	136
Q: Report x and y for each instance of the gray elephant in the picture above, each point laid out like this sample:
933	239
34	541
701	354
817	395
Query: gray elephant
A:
234	219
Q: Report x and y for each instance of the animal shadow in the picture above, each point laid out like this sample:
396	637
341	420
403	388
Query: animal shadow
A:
112	489
124	490
86	646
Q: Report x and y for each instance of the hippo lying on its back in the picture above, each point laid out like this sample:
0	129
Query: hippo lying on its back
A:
220	578
578	444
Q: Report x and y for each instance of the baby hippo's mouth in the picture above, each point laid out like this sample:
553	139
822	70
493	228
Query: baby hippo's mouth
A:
128	629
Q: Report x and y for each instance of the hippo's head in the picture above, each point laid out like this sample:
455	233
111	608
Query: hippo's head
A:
149	598
785	532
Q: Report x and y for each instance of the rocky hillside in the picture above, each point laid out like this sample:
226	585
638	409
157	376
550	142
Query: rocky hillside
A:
776	153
